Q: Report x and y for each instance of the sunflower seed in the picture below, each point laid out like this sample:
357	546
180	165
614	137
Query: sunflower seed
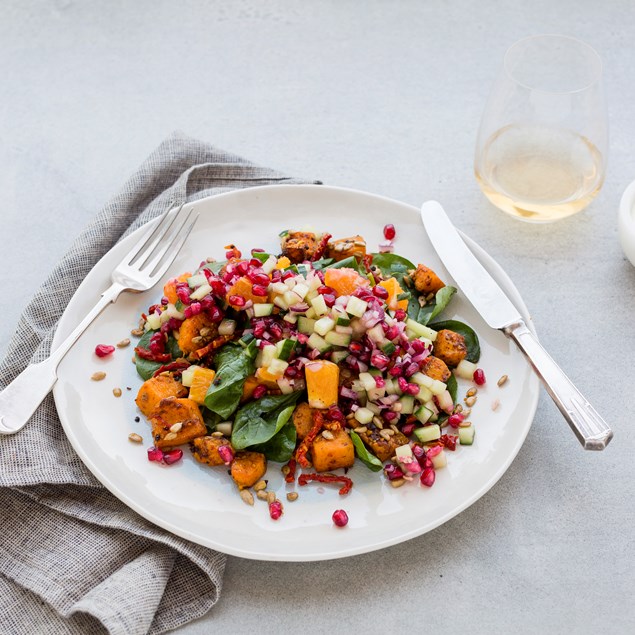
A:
271	497
98	376
116	392
260	485
123	343
217	434
176	427
137	332
247	496
261	495
470	401
502	380
291	496
328	435
471	392
495	404
135	438
398	482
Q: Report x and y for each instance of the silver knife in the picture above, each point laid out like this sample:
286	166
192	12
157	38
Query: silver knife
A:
498	311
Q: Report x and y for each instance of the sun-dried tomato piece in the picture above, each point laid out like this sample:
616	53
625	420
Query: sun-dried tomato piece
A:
327	478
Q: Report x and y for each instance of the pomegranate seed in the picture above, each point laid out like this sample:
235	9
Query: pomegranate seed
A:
433	451
403	384
259	277
215	313
335	414
329	299
324	290
362	293
255	263
380	382
392	332
413	389
242	268
164	301
355	348
259	290
287	274
418	346
389	415
226	454
455	419
237	300
419	453
260	391
257	250
291	372
183	294
479	377
275	509
276	275
172	456
154	454
380	292
379	360
407	429
396	370
400	315
340	518
389	231
194	309
428	476
259	329
276	330
103	350
392	472
411	369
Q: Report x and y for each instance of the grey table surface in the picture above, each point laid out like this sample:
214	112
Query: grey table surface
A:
384	97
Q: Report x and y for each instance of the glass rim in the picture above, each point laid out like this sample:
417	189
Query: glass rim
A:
596	79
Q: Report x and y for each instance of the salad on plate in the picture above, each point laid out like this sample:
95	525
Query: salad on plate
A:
322	357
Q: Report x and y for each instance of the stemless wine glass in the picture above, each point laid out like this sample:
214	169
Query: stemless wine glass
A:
542	145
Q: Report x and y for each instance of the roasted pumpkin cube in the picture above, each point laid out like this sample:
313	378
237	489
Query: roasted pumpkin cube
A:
195	332
300	246
382	447
436	368
303	420
155	389
205	449
328	454
426	281
450	347
322	383
248	468
176	421
347	247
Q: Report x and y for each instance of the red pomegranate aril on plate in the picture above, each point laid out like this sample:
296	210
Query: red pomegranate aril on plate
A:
479	377
389	231
380	292
259	277
392	472
324	290
275	509
172	456
103	350
455	419
154	454
428	476
259	290
340	518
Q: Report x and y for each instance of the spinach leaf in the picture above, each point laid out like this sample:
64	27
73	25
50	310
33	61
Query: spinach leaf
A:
348	263
215	267
471	338
211	419
173	348
366	457
322	263
234	363
261	255
281	446
423	314
145	367
452	387
393	266
260	420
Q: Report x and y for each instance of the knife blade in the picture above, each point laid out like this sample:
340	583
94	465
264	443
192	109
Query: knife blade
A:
498	311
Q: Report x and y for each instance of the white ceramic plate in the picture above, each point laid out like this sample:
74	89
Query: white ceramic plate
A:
201	503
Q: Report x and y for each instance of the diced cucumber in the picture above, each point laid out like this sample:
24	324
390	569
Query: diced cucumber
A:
337	357
277	367
227	327
291	298
225	427
201	292
403	452
376	393
291	318
311	313
374	408
356	306
428	433
196	281
346	330
376	334
364	415
267	355
465	369
246	339
337	339
285	348
407	404
301	290
438	387
392	387
318	343
164	316
324	325
270	264
367	381
439	460
445	401
319	305
422	380
279	301
388	348
466	435
306	325
278	287
340	320
425	394
285	385
262	310
173	312
153	323
420	330
423	414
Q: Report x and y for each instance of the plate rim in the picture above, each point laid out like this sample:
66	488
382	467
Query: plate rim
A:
65	324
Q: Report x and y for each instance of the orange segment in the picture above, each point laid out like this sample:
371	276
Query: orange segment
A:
344	280
202	379
243	288
322	379
283	263
394	289
169	290
268	379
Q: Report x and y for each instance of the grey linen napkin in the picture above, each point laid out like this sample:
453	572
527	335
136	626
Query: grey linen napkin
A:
73	558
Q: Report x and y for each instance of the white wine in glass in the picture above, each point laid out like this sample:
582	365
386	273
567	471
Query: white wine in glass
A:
541	150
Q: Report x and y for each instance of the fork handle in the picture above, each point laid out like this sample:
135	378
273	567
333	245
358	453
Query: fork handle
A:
589	427
20	399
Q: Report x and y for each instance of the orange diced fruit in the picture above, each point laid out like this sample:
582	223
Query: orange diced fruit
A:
322	382
243	288
202	379
394	289
169	290
267	378
344	280
283	263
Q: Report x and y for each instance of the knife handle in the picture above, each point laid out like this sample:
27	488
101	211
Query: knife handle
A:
592	431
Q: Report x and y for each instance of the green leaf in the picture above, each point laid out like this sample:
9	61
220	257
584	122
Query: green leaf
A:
145	367
281	446
423	314
233	365
173	348
215	267
261	255
452	387
347	263
322	263
366	457
393	266
471	338
260	420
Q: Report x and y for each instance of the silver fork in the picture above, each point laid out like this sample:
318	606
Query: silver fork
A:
140	270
